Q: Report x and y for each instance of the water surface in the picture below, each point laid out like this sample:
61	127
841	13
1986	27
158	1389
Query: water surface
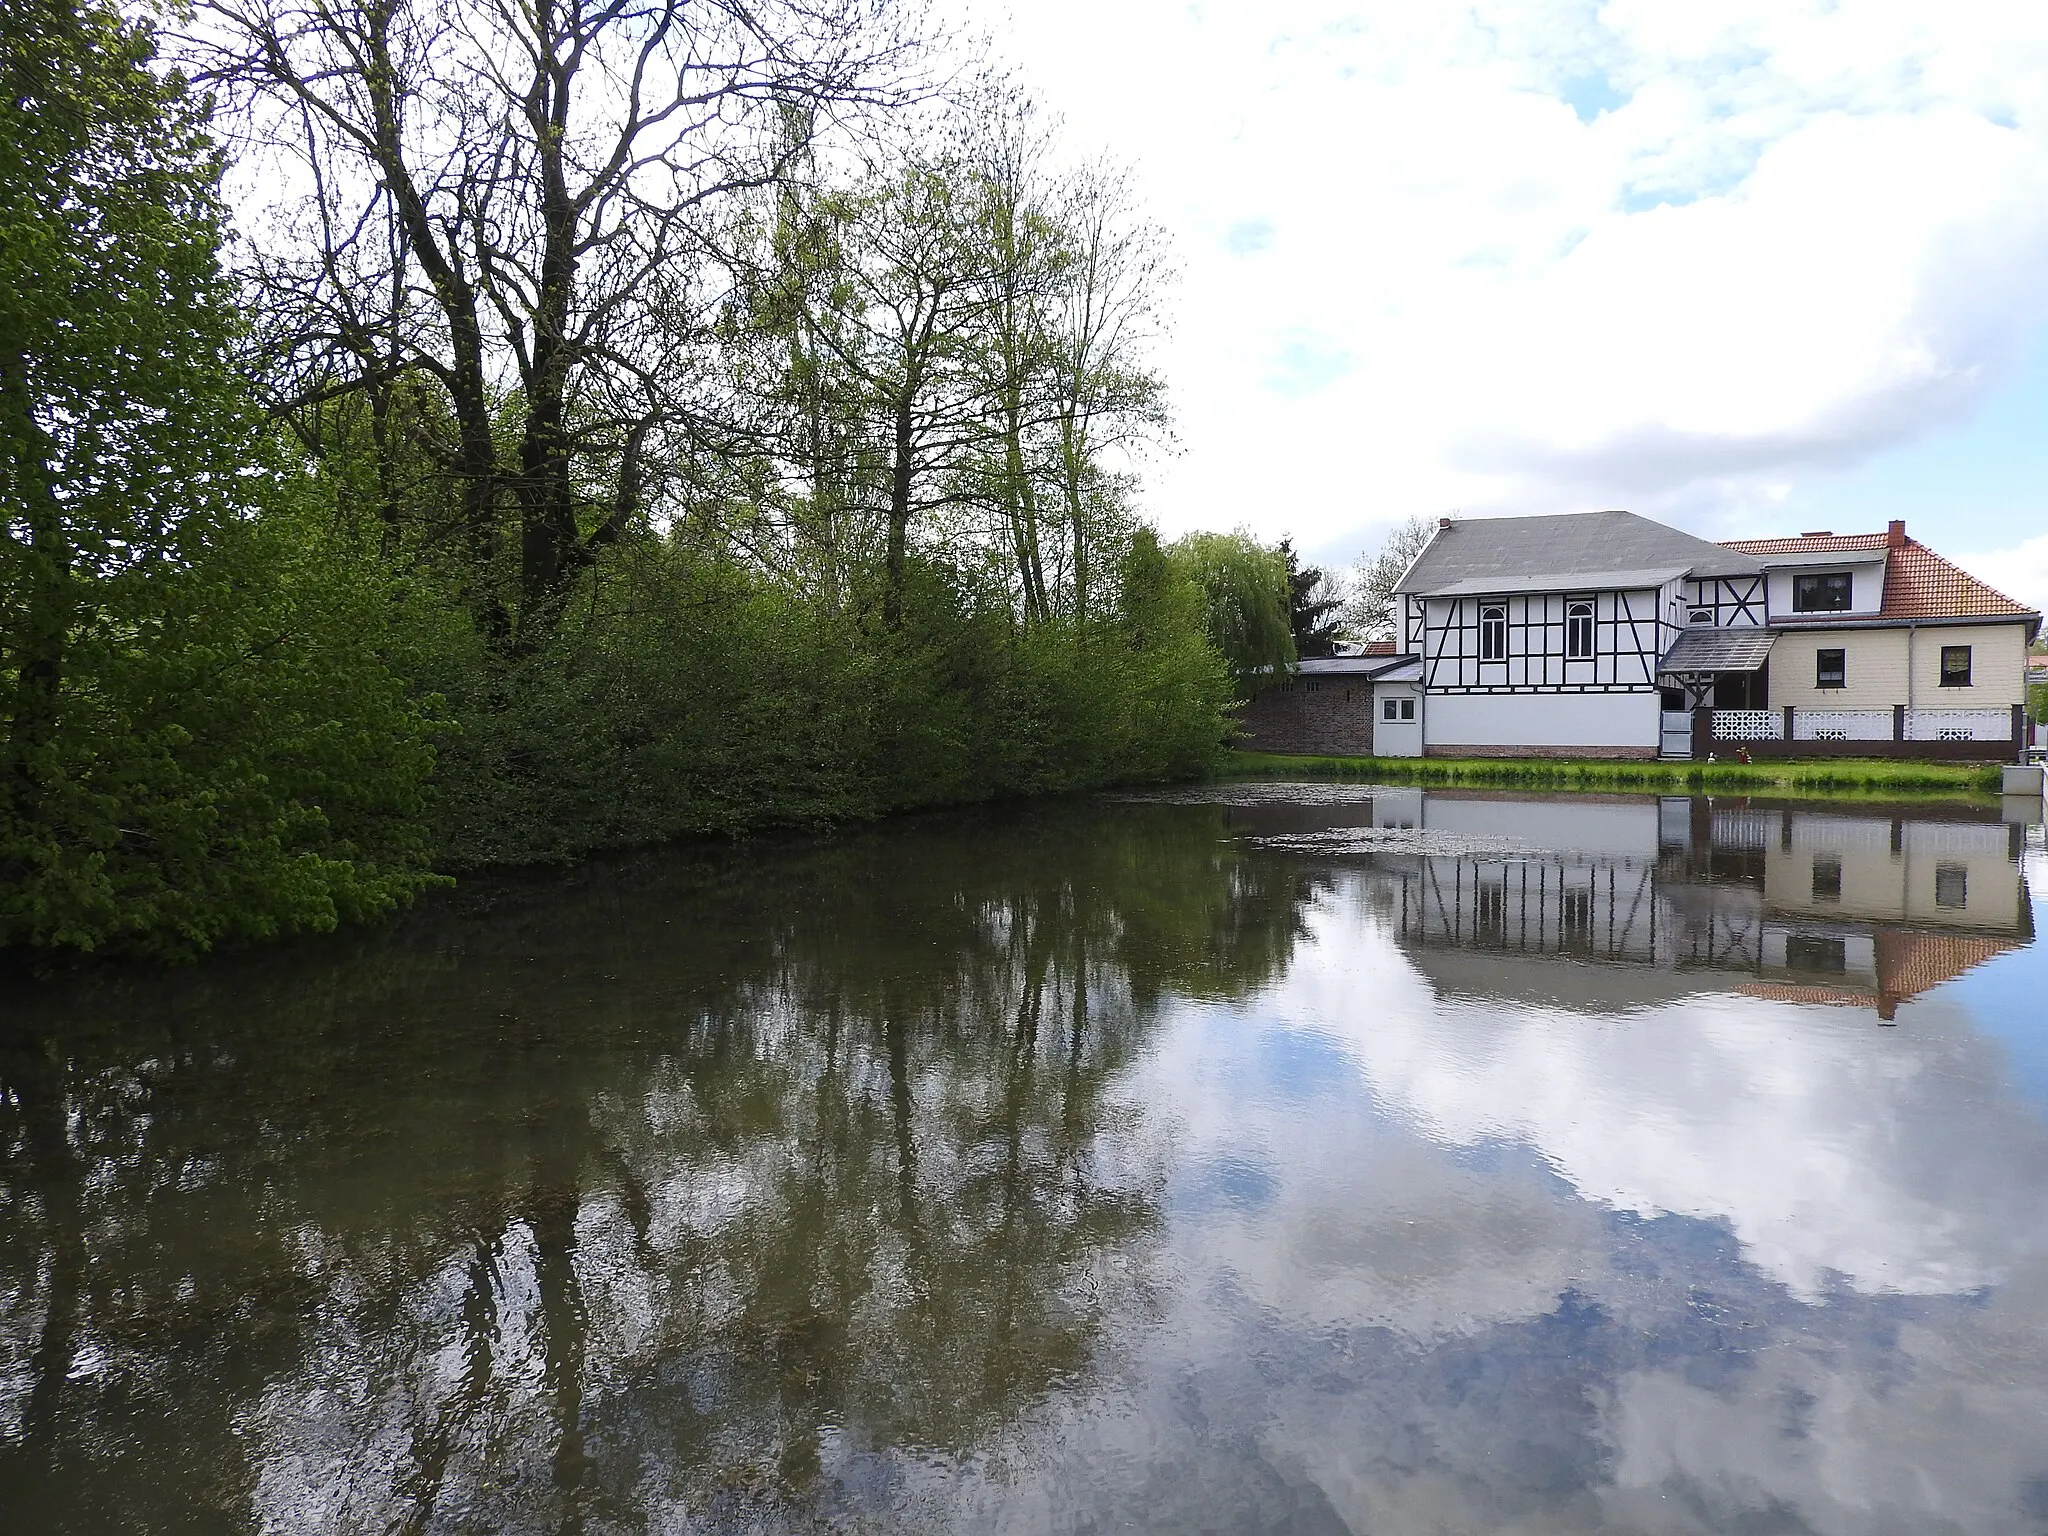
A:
1293	1159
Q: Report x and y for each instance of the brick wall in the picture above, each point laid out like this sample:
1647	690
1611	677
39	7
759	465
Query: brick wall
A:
1328	716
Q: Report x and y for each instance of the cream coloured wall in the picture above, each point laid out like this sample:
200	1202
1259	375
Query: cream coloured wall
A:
1877	667
1998	663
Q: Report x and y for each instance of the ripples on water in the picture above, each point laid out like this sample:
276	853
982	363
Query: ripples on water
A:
1273	1158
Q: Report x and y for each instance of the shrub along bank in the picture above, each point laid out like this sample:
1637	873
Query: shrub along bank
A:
1831	776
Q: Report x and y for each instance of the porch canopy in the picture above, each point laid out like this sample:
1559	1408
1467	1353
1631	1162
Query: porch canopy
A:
1701	659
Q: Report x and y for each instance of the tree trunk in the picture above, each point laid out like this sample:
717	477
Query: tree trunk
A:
900	480
44	626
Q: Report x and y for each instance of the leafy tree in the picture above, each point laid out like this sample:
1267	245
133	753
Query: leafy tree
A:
199	742
1312	600
1373	608
1248	605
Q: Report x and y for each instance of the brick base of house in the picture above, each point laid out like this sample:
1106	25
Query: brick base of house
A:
1555	754
1322	716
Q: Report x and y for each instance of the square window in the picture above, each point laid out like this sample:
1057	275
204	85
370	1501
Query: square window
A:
1827	877
1822	592
1814	954
1830	669
1951	885
1955	666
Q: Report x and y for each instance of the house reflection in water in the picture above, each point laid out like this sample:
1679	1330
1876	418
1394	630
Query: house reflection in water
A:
1499	896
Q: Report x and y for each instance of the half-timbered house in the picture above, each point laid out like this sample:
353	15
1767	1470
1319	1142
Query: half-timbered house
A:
1547	636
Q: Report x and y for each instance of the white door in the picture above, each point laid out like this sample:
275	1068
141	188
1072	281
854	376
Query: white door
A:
1675	740
1397	721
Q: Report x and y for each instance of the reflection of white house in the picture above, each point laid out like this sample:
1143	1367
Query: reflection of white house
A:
1498	891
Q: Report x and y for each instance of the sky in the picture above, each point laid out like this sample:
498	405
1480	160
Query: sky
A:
1750	267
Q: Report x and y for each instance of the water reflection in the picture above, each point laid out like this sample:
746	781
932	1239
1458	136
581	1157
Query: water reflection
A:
1805	903
1315	1159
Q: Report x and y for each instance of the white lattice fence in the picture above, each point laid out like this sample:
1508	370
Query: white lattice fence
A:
1842	725
1748	724
1958	725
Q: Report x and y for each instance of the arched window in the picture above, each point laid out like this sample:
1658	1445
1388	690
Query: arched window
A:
1493	633
1578	630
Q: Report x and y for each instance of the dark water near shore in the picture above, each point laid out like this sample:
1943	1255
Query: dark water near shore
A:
1293	1159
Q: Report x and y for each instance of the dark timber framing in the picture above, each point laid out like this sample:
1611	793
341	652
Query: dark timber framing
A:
1737	602
1628	638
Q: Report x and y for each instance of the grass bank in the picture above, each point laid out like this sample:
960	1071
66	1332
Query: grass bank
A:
1825	776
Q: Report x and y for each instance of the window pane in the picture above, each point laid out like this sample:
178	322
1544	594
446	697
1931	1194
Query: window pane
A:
1827	877
1811	952
1387	709
1830	669
1578	632
1955	666
1824	592
1951	885
1493	634
1407	709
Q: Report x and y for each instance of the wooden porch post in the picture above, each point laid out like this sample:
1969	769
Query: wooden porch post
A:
1898	722
1788	722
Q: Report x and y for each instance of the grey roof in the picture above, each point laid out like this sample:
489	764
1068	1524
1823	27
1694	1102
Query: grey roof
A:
1718	650
1350	666
1562	581
1577	549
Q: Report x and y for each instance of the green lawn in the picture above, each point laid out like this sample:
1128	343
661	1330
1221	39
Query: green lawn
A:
1831	775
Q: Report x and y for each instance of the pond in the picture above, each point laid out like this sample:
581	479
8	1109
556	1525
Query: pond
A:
1264	1158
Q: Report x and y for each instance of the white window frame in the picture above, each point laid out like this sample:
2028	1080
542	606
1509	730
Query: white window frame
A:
1578	612
1493	626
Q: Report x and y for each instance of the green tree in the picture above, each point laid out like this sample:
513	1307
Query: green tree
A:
196	743
1314	602
1248	603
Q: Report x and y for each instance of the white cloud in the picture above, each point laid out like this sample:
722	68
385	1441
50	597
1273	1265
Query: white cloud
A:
1536	255
2020	572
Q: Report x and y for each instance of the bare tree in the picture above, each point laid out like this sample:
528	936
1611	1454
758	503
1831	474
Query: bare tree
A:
512	199
1373	608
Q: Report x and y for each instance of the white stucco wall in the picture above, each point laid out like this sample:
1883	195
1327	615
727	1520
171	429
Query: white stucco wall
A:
1541	720
1866	581
1397	738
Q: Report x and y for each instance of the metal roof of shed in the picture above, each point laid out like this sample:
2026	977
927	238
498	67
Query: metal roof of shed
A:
1718	650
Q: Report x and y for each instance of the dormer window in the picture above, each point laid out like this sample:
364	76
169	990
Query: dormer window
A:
1821	592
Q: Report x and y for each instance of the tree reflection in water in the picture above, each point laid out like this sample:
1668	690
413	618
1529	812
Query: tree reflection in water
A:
720	1186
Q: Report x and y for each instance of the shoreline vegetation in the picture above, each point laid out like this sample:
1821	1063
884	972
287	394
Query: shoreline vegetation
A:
1833	776
542	474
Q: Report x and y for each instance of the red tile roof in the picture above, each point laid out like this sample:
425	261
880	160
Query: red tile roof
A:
1918	583
1379	647
1907	965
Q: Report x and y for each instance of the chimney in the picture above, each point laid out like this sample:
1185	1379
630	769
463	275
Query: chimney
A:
1816	533
1895	536
1443	525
